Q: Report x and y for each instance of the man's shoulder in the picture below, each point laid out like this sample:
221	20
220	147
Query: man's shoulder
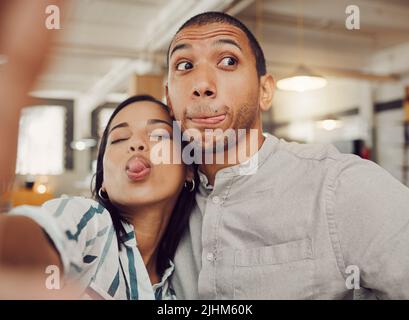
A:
309	151
340	169
325	158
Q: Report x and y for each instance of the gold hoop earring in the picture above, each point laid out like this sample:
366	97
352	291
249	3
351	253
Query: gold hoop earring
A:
100	195
192	187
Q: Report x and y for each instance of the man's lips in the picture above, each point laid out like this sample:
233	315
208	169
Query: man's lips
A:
208	120
138	168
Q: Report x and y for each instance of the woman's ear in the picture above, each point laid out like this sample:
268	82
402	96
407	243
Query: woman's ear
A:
168	102
267	87
190	174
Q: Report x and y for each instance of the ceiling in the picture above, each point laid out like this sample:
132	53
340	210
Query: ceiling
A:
104	41
97	36
324	40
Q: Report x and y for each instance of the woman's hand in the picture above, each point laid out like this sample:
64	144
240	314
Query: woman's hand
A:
24	42
25	254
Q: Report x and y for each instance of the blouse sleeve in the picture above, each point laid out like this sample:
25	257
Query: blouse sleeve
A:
73	225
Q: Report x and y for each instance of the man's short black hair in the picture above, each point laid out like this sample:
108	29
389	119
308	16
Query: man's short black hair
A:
220	17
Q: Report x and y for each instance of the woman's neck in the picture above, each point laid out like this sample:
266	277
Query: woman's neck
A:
150	223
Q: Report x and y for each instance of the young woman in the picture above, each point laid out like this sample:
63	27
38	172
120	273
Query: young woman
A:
120	244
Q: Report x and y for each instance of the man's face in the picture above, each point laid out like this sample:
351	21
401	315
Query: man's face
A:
213	81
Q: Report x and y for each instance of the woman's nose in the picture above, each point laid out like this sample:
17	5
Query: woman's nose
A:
138	146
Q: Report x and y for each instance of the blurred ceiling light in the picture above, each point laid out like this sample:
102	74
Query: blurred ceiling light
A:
83	144
329	124
42	188
303	79
3	59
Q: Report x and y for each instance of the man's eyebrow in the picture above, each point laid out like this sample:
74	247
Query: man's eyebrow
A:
179	47
155	121
227	41
121	125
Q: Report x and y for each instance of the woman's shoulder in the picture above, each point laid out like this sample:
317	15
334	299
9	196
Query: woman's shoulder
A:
74	224
75	201
77	207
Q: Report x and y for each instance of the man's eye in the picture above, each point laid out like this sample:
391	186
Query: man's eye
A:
228	61
184	66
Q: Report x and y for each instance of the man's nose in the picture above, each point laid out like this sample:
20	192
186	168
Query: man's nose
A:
204	87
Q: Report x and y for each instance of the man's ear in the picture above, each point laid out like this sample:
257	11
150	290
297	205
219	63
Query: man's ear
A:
267	88
168	102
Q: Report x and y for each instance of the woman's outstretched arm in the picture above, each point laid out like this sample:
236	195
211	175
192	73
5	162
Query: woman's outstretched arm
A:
23	243
25	254
24	42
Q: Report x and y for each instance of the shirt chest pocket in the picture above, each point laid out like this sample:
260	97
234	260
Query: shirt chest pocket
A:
282	271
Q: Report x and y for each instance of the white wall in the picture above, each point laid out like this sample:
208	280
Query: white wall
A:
392	60
389	124
344	94
302	109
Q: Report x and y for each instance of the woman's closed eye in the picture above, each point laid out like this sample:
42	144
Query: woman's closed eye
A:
119	135
114	141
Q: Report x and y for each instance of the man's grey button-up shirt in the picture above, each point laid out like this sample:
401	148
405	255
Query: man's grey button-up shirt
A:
292	229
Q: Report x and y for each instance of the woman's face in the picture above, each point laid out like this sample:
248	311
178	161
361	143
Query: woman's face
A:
131	179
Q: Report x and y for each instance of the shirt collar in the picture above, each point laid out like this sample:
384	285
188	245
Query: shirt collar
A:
168	272
246	168
129	238
204	181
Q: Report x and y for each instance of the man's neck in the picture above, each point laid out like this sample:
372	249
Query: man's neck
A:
150	224
210	170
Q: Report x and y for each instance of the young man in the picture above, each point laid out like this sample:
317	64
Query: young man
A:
309	223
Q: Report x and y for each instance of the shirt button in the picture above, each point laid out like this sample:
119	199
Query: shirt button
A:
216	199
210	256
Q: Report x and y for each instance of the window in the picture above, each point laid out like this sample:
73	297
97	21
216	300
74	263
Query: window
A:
45	133
99	119
103	119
